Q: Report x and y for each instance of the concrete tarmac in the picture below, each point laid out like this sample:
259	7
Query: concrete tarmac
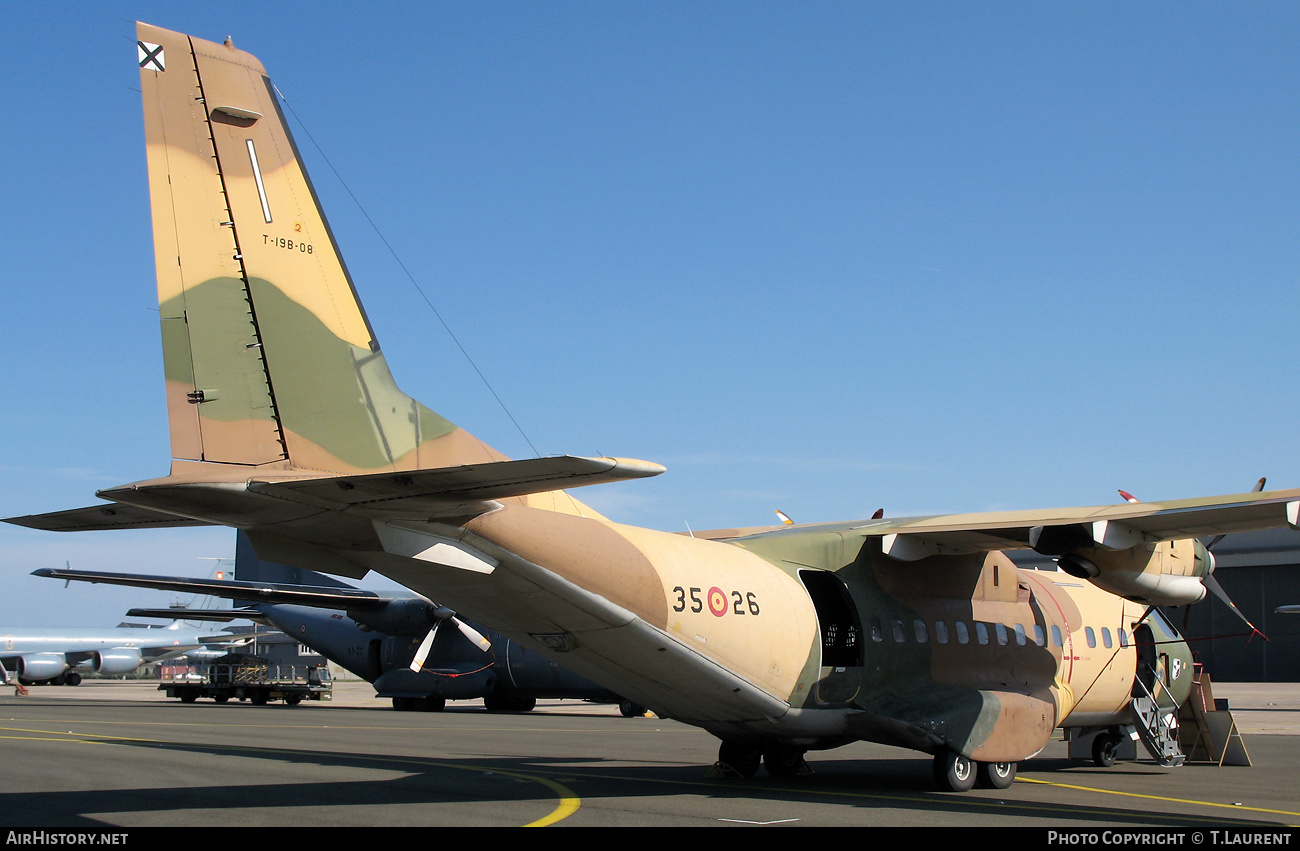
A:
106	755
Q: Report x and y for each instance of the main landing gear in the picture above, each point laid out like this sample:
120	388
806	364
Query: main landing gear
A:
741	759
952	771
956	773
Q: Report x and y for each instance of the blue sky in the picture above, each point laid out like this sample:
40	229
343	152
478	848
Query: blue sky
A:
822	257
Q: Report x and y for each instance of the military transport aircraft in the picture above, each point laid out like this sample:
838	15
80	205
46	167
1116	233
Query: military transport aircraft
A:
393	640
58	656
919	632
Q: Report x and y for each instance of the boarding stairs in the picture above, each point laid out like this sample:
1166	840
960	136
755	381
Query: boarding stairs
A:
1155	715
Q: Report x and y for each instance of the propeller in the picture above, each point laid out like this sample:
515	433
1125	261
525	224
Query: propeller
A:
1208	580
441	614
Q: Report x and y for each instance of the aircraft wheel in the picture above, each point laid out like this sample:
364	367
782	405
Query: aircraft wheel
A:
432	703
785	761
403	704
953	772
494	703
222	698
631	710
188	697
996	775
72	679
1105	749
739	758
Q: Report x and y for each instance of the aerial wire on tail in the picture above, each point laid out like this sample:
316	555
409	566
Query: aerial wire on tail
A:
407	272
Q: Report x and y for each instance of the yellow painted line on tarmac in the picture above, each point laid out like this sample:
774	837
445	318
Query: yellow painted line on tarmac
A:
1161	798
68	736
567	805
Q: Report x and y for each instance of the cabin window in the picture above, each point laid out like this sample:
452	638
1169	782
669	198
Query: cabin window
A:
921	636
981	632
1123	638
1001	631
1105	636
1040	637
1056	636
900	632
1020	634
1090	636
877	631
940	632
963	637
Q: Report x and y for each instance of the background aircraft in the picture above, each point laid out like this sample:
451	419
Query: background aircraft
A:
60	655
918	632
414	651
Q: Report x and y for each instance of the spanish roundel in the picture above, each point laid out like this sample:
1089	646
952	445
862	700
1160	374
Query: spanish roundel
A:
717	601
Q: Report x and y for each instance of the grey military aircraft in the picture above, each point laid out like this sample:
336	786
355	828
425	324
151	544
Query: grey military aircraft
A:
396	641
60	656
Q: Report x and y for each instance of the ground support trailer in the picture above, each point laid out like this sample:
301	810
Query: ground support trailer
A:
251	678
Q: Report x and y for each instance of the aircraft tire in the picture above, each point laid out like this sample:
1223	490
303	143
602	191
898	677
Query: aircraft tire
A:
432	703
995	775
785	761
739	758
628	709
1105	749
953	772
72	679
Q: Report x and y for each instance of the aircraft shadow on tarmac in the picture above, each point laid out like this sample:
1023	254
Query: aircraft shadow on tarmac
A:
888	784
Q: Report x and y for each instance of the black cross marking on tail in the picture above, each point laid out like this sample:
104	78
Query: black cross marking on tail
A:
151	56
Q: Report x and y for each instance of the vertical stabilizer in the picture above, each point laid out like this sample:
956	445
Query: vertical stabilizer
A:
269	357
249	568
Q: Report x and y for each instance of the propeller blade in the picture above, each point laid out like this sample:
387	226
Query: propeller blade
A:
473	635
784	518
1213	584
417	663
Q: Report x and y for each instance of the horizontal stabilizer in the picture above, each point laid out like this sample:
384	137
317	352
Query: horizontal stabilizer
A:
231	589
215	615
417	490
113	515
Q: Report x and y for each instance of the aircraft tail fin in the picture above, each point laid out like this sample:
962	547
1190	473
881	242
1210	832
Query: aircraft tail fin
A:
269	356
249	568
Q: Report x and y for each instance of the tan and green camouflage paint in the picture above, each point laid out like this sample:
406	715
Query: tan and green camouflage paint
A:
262	320
243	299
991	702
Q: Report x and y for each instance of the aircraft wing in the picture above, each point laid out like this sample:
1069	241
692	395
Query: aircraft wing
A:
112	515
1111	526
232	589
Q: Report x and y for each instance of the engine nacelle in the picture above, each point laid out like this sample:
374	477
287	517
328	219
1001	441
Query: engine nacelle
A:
1165	574
119	660
35	667
400	617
